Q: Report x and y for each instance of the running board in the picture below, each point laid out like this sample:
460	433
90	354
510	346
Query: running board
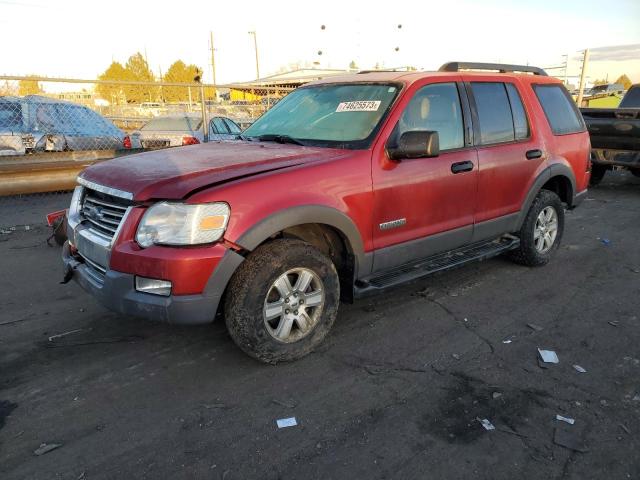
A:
436	263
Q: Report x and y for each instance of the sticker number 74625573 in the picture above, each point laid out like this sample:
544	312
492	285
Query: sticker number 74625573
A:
359	106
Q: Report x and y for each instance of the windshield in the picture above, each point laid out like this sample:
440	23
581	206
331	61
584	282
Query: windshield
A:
175	124
337	115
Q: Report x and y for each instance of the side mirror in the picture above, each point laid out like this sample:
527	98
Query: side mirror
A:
415	144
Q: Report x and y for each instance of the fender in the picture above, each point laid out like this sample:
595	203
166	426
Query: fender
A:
553	170
299	215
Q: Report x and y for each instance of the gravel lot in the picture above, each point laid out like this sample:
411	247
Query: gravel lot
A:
393	393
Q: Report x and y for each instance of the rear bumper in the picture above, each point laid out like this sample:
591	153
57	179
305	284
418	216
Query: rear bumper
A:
629	159
116	291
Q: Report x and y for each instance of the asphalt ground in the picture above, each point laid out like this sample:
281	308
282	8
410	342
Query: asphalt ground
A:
395	392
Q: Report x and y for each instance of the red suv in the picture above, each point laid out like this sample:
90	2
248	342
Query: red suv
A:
347	186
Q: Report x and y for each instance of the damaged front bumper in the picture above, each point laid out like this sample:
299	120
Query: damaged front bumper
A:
116	291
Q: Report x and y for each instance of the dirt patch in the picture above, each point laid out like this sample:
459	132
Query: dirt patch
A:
468	399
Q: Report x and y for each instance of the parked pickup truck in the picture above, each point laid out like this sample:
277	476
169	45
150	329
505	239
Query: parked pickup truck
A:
347	187
615	135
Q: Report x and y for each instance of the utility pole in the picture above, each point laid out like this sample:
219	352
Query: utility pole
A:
161	91
255	45
566	66
585	62
213	67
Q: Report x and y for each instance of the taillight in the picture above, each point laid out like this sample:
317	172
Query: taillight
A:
126	143
190	140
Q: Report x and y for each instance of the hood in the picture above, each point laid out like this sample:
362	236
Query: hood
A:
173	173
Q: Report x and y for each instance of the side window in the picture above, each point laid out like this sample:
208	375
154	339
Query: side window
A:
562	114
435	107
218	126
494	112
233	127
520	123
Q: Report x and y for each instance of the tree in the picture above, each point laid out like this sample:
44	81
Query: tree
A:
600	82
8	88
29	87
138	70
110	92
353	65
625	81
180	72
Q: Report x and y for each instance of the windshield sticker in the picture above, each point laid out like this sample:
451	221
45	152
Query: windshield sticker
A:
361	106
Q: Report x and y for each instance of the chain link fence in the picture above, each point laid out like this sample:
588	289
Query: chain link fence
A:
40	115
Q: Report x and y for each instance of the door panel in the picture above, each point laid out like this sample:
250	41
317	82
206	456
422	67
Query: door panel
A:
418	198
510	152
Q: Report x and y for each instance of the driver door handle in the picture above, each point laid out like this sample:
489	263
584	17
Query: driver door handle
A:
460	167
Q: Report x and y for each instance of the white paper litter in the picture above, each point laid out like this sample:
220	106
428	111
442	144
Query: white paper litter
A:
570	421
548	356
579	369
486	424
287	422
506	341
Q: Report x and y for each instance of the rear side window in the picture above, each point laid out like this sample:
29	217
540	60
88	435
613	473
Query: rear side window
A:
494	112
520	123
562	114
631	99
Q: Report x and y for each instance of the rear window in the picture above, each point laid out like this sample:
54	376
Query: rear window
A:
494	112
10	117
175	124
562	114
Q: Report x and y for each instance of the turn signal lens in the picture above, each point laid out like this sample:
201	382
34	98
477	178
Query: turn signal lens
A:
213	222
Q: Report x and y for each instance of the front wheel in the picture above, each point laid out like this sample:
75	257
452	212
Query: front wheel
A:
541	230
282	301
635	172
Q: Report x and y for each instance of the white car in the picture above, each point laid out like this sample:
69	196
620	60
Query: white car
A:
183	129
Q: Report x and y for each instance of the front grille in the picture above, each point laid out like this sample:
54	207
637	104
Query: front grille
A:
103	212
95	271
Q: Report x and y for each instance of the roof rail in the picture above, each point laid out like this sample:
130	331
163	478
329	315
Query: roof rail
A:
360	72
500	67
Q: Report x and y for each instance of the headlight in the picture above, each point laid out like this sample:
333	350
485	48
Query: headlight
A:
181	224
75	207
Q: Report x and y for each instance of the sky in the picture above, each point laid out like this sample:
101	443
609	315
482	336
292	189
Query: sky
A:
80	38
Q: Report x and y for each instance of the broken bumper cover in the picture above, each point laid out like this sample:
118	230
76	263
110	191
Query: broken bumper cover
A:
116	291
579	198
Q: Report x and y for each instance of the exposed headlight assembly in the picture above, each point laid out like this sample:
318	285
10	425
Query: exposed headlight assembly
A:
167	223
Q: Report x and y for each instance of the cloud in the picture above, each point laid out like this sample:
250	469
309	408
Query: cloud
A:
617	53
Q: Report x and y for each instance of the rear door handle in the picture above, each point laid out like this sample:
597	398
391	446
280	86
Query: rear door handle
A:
531	154
460	167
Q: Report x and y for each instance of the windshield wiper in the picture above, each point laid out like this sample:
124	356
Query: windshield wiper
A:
279	138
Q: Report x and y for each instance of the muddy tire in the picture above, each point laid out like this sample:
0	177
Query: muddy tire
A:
282	301
597	174
541	231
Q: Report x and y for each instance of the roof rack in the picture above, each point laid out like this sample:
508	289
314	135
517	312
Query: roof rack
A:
360	72
500	67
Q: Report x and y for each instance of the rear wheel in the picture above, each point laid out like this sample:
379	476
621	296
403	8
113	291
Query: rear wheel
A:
597	174
635	172
541	231
282	301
